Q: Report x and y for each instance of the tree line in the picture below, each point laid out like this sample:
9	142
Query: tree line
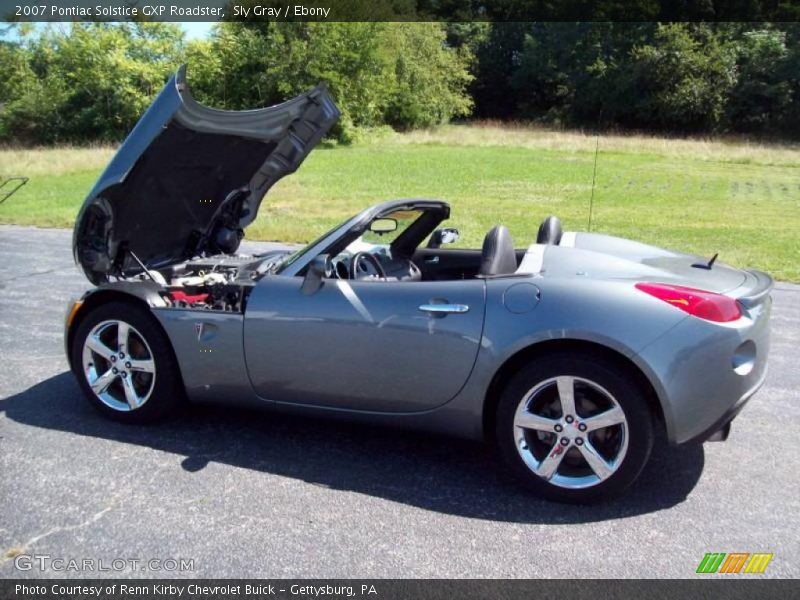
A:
673	77
90	82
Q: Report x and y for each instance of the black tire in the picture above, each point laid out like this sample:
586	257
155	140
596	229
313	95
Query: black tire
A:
165	392
624	390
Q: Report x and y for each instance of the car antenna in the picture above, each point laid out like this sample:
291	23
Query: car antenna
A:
707	266
594	169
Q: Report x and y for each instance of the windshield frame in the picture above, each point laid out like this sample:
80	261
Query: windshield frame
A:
296	263
292	257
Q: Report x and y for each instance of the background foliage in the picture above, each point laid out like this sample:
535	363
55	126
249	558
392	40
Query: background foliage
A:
678	77
90	82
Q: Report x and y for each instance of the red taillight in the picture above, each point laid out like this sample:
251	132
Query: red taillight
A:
700	303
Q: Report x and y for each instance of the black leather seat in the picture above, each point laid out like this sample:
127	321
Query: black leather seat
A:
549	231
498	256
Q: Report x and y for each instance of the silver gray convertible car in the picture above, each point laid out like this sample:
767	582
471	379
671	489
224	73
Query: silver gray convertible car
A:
570	353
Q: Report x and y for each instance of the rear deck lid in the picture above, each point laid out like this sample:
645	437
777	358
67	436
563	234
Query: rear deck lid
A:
650	263
188	179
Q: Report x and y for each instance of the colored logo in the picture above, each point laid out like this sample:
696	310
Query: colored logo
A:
735	562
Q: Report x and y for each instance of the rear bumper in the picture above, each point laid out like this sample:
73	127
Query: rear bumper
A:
720	429
704	373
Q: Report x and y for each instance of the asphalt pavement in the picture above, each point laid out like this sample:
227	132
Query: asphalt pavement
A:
237	493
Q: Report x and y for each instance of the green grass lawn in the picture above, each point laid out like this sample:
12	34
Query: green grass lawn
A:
739	199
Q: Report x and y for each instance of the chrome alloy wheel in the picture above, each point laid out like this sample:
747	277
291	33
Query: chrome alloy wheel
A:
571	432
118	365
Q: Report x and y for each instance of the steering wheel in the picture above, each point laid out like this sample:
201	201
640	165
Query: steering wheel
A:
356	266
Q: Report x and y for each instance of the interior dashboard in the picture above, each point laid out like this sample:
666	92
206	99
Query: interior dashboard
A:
395	269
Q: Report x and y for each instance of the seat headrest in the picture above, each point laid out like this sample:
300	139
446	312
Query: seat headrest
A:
549	231
498	256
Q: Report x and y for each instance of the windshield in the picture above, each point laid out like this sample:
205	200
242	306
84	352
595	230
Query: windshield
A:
293	256
357	232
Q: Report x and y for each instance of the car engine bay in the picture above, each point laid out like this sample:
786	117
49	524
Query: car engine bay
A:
220	283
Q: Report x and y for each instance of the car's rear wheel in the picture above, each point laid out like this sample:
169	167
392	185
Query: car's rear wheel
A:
125	365
574	428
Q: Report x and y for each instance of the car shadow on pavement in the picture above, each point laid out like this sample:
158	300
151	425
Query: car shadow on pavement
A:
434	473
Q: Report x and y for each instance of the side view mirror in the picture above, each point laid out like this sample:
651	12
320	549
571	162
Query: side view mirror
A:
318	269
446	235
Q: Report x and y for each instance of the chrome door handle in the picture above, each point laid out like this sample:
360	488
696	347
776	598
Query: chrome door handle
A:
432	260
443	309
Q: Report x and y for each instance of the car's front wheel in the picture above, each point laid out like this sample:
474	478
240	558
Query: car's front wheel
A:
124	364
574	428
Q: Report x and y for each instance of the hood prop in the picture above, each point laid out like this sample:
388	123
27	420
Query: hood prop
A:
157	277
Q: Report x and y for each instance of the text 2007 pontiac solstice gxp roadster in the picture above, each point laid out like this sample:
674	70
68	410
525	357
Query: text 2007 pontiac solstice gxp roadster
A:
569	353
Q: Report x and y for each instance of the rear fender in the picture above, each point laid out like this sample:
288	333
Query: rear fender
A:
609	314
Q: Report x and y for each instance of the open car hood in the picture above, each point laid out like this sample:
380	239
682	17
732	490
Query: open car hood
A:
188	179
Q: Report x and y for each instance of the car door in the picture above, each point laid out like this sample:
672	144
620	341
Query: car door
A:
370	346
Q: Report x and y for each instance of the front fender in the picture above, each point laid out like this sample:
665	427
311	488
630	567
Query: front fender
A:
147	293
